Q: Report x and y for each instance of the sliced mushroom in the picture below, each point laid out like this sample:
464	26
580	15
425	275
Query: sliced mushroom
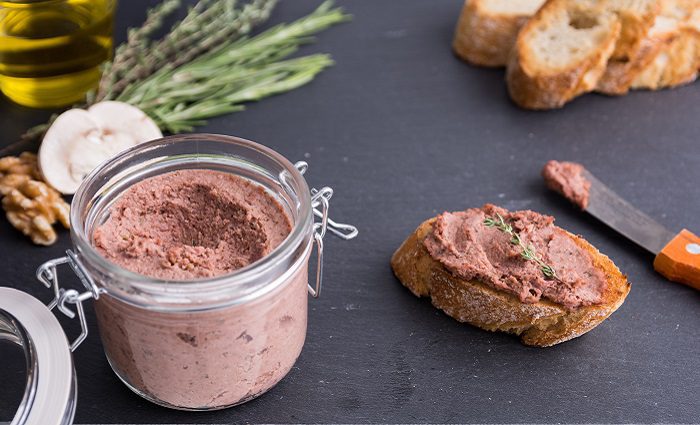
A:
79	140
122	117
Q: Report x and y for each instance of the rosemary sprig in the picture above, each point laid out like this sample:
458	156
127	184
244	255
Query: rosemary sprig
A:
528	251
176	111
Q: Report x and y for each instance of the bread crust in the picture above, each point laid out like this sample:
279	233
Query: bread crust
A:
634	30
542	324
485	39
533	88
666	58
619	75
676	63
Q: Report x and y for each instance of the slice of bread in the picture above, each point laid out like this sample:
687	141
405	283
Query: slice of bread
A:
561	52
636	19
541	324
664	58
620	75
487	29
675	65
677	59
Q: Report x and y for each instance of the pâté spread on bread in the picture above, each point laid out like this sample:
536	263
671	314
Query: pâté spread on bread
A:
466	247
513	272
567	179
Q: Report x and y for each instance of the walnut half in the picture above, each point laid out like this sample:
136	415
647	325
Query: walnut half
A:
31	205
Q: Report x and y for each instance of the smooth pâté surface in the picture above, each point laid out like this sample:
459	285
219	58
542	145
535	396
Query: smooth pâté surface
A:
191	224
462	243
404	131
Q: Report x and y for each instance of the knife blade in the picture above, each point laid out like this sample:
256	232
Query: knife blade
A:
677	254
608	207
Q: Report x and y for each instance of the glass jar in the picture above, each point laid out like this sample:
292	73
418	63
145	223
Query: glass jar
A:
210	343
51	50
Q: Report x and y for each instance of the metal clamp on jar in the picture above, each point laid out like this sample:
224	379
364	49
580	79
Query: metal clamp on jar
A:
195	345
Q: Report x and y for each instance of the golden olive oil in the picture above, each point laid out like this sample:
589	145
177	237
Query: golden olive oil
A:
51	50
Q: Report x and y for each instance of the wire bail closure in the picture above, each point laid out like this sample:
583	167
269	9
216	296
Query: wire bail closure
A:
320	203
48	275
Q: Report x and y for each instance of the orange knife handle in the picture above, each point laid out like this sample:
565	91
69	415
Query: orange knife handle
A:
679	260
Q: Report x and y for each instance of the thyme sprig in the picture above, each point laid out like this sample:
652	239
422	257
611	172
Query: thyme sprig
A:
528	251
206	26
240	70
131	53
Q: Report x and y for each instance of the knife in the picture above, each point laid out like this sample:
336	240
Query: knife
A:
677	254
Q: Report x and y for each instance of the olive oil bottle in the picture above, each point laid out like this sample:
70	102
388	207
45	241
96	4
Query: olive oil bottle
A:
51	50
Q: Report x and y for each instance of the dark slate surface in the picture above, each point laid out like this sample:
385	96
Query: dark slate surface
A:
402	130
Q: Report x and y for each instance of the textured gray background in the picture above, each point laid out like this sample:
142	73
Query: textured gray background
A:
402	130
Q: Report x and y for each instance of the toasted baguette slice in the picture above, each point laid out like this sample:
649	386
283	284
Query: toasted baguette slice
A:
620	75
561	53
636	19
677	60
663	59
675	65
487	29
541	324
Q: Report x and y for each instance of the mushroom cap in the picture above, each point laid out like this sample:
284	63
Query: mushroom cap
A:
79	140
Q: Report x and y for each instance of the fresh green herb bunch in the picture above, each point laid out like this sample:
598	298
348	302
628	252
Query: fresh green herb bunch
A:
207	25
528	251
206	65
240	70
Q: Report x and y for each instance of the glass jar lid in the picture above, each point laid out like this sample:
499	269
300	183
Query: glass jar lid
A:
50	393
